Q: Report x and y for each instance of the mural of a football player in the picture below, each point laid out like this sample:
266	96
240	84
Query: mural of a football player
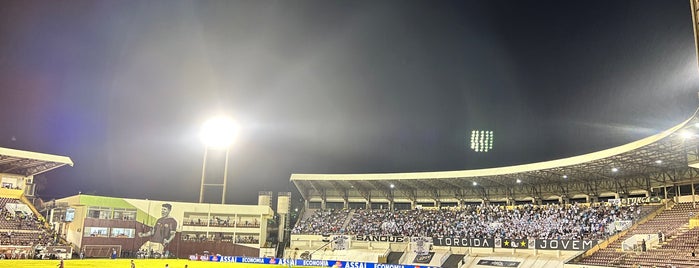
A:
162	233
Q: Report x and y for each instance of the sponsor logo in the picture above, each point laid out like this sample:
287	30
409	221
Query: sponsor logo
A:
380	238
227	258
253	260
389	266
350	264
315	263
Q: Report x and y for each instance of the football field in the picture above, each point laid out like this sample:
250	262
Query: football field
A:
126	263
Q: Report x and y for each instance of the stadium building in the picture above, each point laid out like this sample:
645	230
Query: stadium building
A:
628	205
99	225
612	208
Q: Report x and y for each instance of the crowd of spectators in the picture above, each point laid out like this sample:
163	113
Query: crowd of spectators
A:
220	237
328	221
222	222
552	221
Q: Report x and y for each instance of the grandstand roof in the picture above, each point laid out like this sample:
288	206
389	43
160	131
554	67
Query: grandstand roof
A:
659	160
27	163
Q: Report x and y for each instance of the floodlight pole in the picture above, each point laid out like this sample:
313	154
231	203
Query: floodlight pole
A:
203	174
225	177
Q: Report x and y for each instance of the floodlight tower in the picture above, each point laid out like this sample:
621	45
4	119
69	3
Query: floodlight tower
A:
482	140
217	133
694	5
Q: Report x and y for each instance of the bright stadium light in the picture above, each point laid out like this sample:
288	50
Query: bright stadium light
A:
217	133
481	140
686	134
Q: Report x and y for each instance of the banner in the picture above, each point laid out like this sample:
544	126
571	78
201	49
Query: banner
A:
498	263
640	200
380	238
464	242
558	244
340	242
421	245
318	263
515	243
424	258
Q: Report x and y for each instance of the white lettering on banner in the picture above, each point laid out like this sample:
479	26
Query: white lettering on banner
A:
462	242
227	259
389	266
380	238
253	260
565	244
315	263
350	264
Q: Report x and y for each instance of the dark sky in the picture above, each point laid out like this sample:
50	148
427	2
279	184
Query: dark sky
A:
122	87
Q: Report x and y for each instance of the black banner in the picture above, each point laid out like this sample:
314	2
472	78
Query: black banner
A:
499	263
514	243
557	244
381	238
424	258
464	242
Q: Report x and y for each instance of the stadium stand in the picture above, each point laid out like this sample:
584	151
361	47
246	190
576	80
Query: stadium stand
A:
24	233
672	223
552	221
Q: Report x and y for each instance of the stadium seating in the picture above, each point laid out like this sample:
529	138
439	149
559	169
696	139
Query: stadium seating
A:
676	249
23	229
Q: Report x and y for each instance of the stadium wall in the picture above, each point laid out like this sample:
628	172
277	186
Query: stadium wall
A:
133	224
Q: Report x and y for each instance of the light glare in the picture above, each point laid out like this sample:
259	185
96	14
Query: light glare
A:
218	132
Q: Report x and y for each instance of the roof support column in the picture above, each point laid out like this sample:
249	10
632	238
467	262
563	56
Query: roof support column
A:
694	203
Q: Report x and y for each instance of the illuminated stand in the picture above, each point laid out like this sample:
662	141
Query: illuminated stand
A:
218	134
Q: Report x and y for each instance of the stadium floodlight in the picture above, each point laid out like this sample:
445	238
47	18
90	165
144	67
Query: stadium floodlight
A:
481	140
217	133
686	134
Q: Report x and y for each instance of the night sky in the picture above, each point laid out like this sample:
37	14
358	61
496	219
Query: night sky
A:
122	87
